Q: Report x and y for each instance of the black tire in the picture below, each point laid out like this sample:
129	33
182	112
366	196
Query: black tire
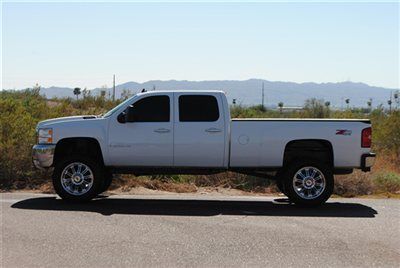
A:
96	169
281	186
107	180
306	198
279	182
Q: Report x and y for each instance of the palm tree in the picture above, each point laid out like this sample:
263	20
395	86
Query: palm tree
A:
347	102
369	103
327	111
77	92
280	105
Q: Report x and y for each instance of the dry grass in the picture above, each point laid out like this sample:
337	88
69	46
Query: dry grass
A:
386	161
231	180
125	183
355	184
46	188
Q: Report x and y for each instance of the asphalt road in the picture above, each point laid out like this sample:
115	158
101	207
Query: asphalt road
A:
198	230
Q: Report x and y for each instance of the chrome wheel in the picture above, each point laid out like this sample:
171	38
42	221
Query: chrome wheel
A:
77	178
309	182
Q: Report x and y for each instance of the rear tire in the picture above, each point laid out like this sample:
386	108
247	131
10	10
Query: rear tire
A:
78	178
308	182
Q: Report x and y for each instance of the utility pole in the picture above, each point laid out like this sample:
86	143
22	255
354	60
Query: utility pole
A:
262	96
114	87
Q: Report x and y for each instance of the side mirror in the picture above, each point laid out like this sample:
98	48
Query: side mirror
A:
121	118
130	114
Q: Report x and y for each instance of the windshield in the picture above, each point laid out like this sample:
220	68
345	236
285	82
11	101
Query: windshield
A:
110	112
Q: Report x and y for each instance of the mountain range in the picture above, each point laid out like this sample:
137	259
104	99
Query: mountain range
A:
249	92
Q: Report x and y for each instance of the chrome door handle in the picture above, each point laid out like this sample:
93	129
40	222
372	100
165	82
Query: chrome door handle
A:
213	130
162	130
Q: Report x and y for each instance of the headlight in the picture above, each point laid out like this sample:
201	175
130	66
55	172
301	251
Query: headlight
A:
45	135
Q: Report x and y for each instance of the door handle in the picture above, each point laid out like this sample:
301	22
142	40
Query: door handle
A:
213	130
162	130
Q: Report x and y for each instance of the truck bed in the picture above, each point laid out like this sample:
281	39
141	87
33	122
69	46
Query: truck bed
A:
262	142
366	121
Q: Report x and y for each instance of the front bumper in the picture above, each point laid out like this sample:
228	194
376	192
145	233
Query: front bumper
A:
367	161
42	155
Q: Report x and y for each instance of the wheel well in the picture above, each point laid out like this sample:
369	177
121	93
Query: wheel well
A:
82	146
317	149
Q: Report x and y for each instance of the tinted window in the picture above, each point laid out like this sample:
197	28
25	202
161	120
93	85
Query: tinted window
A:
152	109
198	108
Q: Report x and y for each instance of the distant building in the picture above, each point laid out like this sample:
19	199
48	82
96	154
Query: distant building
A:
291	108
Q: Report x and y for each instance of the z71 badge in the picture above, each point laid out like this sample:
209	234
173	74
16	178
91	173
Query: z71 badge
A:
345	132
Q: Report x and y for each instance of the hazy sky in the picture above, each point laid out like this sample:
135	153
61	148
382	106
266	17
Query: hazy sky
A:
84	44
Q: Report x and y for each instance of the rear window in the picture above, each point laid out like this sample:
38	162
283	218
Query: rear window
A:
198	108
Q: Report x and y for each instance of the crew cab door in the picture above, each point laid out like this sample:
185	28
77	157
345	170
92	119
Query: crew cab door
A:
148	141
199	130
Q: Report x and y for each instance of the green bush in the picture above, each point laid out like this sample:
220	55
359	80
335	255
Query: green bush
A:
386	131
17	135
20	111
387	182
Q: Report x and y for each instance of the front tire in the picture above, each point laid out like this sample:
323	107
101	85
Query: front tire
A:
308	182
78	178
280	182
108	178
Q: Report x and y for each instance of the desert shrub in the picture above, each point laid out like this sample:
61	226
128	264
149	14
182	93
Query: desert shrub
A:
17	135
233	181
387	182
126	182
357	183
239	111
20	111
386	131
314	108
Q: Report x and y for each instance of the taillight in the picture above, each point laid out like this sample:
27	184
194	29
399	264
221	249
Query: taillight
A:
366	137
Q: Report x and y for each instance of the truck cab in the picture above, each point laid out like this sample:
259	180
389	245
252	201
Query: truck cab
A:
170	129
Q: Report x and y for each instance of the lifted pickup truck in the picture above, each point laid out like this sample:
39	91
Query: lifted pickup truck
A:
191	132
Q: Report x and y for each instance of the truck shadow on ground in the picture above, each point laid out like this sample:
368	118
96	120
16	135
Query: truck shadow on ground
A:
201	207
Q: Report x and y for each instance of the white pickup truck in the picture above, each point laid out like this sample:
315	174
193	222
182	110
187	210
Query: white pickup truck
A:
191	132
